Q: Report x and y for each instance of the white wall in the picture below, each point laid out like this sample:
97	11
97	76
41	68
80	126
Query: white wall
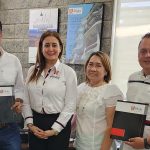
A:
131	21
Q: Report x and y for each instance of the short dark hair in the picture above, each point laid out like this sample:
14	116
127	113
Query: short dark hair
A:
146	36
0	26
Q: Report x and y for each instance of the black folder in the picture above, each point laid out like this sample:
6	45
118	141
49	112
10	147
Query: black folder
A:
129	120
7	99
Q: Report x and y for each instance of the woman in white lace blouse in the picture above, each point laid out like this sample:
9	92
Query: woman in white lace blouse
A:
96	104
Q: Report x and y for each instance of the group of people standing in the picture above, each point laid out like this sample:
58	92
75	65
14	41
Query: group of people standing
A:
51	97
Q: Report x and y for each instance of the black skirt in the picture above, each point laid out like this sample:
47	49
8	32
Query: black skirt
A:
44	122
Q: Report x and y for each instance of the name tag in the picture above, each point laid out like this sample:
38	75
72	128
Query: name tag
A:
6	91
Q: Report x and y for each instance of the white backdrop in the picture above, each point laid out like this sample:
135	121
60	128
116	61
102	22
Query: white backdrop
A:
131	21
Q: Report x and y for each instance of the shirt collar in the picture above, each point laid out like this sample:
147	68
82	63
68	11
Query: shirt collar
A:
57	64
54	68
142	74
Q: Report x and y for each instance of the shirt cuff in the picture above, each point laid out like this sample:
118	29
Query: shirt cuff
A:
19	95
28	120
56	126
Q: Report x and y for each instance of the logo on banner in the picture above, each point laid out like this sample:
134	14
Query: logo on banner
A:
75	11
136	109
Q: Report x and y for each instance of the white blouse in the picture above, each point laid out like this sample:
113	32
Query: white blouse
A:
91	115
54	94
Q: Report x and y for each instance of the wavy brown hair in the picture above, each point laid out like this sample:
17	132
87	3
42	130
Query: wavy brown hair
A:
40	59
106	63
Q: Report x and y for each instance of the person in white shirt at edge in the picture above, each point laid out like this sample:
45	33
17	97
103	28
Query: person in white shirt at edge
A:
11	74
139	91
51	91
96	103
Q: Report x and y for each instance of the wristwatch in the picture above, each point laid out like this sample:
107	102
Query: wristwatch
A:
146	145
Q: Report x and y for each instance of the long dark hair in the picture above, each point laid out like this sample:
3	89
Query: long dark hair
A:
106	63
40	59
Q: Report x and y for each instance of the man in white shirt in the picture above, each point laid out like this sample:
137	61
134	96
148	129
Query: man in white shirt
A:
11	77
139	90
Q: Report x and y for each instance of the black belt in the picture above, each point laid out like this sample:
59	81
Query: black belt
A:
44	114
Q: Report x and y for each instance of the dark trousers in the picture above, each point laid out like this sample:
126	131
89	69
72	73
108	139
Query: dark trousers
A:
59	142
10	137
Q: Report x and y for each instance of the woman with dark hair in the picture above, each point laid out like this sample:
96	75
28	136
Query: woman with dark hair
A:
51	89
96	104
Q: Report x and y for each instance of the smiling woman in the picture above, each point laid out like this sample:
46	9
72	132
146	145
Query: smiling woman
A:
51	91
96	104
95	71
51	50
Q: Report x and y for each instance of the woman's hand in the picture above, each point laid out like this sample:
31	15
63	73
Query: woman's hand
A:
40	133
49	133
37	131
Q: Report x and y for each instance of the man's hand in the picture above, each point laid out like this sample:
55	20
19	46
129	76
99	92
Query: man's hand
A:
136	142
17	106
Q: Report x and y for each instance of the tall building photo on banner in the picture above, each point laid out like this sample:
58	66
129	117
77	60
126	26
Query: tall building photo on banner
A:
83	31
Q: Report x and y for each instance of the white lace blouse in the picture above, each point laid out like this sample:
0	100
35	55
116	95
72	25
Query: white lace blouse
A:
91	115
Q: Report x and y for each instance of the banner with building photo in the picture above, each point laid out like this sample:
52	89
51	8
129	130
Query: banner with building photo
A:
40	20
83	31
